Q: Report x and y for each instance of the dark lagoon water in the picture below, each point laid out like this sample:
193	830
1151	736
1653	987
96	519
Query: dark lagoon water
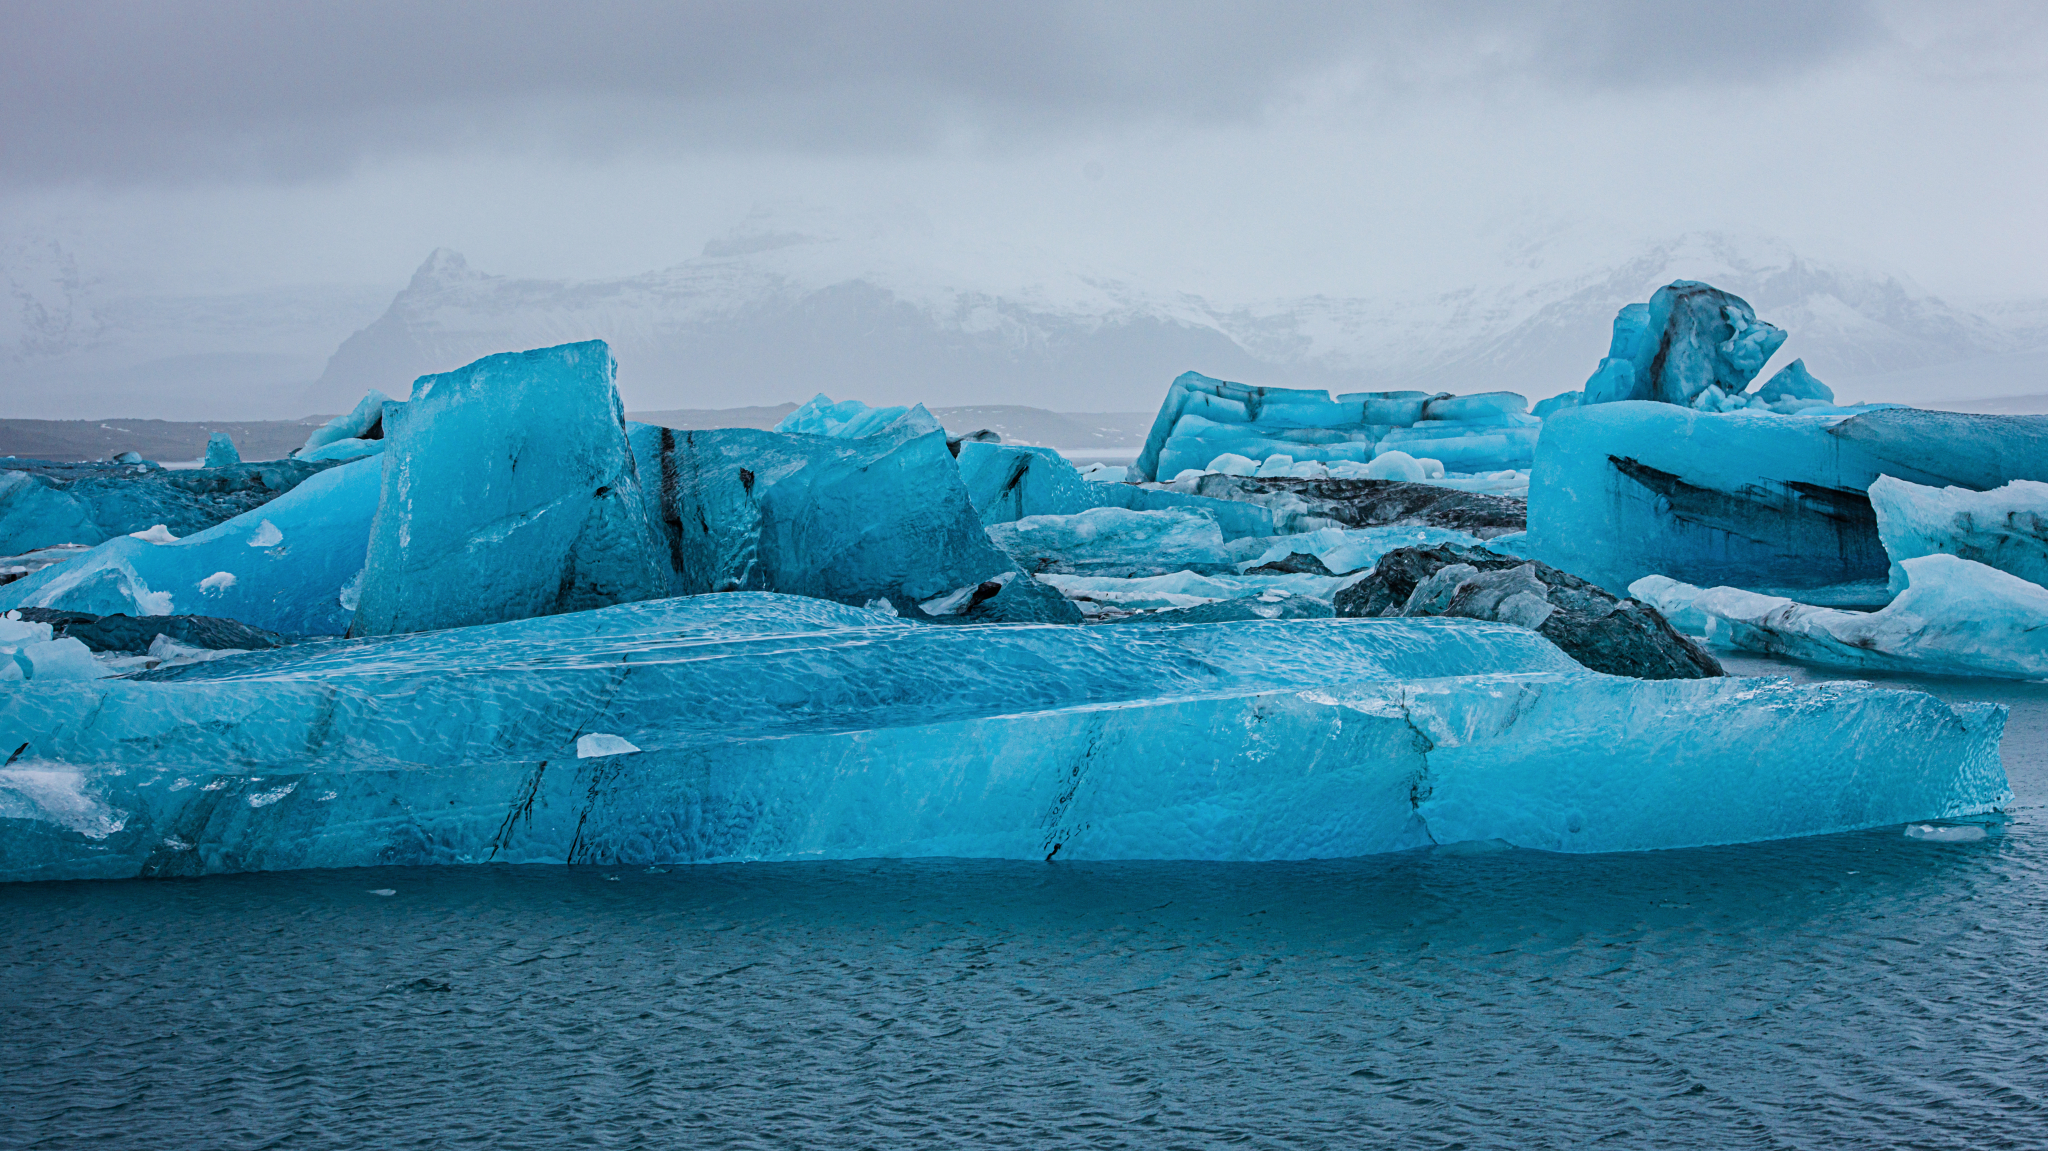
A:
1848	991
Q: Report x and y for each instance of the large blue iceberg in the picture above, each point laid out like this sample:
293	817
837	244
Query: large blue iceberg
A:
43	504
290	566
877	519
509	491
1751	499
783	728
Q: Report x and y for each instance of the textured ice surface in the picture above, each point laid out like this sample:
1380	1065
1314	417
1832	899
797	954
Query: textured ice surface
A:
1202	419
1692	345
287	562
852	420
1112	541
1749	499
2006	528
509	491
786	728
45	504
1956	616
855	520
1011	481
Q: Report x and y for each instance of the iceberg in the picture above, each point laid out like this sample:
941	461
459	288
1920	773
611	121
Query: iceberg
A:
45	504
1203	419
1007	482
287	563
1692	344
1794	389
509	491
220	451
1955	617
1113	541
364	423
853	420
2006	528
29	651
1750	499
785	728
857	520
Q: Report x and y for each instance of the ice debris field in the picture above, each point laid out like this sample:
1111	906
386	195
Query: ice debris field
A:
496	621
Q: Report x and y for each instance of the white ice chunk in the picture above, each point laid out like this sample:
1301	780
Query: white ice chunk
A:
1957	616
266	535
217	583
2005	528
158	534
1934	833
602	743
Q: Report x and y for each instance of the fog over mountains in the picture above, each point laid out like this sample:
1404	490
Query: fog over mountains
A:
766	316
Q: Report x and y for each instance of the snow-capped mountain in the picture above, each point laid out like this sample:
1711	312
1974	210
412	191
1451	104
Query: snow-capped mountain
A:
780	316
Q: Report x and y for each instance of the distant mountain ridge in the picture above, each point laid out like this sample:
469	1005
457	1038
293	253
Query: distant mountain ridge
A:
774	317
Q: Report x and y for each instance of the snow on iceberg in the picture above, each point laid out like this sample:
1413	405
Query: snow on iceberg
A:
2006	528
1202	419
1749	499
786	728
854	520
286	563
1955	617
509	491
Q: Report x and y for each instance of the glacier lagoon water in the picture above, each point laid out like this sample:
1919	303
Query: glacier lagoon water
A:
1849	990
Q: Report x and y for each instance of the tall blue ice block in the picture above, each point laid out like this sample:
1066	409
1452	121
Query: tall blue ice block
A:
1008	482
785	728
508	491
856	520
1749	499
287	566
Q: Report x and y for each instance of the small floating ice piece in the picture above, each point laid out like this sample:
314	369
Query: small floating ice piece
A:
602	743
158	534
1934	833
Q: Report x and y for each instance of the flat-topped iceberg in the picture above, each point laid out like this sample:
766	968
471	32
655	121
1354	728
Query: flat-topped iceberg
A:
772	727
1750	499
1203	418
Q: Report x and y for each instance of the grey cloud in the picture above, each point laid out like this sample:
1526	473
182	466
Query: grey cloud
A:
147	90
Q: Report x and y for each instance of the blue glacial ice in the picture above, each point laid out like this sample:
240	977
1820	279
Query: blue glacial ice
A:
509	491
220	451
1113	542
1955	616
352	436
28	651
881	518
1691	344
852	419
2006	528
1750	499
781	728
45	504
1203	419
1793	389
288	566
1008	482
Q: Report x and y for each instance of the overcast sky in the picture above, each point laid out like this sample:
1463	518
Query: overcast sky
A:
1250	149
